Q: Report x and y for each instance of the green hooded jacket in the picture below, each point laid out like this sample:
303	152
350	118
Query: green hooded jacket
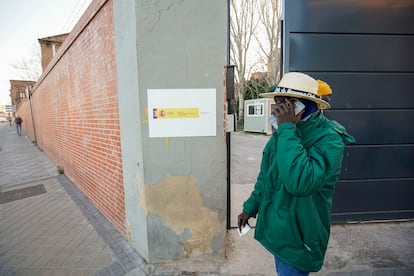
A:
292	197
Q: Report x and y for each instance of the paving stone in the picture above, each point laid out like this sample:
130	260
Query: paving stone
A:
383	272
4	269
23	271
68	250
85	262
360	273
15	260
54	272
57	261
102	261
29	260
82	272
71	262
42	261
404	272
117	269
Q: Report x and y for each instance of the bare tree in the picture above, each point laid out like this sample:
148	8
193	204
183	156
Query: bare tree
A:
268	37
29	67
243	24
255	27
256	84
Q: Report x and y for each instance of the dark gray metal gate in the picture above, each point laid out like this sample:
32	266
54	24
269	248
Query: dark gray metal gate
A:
365	50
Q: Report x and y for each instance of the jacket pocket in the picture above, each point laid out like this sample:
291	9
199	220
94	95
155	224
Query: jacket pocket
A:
283	230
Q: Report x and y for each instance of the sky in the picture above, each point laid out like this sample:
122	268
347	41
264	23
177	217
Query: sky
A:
22	22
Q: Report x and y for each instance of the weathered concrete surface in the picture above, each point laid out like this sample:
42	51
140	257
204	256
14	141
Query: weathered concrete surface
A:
201	224
172	39
379	246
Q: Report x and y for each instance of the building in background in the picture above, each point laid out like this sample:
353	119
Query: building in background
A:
19	90
49	47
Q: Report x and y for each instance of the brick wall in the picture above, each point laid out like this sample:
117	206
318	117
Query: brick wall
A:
75	112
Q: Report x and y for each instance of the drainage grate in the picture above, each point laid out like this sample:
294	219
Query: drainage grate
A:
22	193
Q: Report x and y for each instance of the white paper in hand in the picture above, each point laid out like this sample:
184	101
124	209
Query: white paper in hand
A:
244	230
272	120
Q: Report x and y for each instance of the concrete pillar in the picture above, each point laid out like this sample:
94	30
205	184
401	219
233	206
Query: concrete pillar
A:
175	187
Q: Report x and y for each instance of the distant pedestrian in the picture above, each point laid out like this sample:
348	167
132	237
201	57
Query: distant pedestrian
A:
18	122
10	120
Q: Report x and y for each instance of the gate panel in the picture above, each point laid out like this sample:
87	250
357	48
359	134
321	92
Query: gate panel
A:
385	16
375	200
377	126
369	52
378	162
364	50
369	90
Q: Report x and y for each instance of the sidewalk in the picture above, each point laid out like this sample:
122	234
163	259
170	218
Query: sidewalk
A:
47	227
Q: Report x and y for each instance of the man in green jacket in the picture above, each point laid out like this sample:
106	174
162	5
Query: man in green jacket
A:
301	163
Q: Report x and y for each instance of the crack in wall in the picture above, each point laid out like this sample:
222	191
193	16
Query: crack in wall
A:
162	10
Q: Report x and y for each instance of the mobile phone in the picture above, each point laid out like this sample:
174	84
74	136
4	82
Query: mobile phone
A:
299	106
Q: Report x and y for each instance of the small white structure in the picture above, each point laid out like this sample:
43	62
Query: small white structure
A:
256	113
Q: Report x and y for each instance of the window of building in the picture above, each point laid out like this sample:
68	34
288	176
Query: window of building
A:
255	109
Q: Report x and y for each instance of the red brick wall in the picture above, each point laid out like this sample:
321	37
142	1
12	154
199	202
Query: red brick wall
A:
75	111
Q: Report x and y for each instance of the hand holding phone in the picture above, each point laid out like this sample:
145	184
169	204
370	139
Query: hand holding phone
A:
299	106
290	112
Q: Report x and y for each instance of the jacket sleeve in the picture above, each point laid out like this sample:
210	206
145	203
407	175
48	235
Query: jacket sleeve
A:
304	172
251	205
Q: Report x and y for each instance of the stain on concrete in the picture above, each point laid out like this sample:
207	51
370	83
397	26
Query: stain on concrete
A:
177	200
165	244
141	191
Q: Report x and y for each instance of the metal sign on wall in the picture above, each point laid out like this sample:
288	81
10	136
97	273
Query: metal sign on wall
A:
181	112
10	108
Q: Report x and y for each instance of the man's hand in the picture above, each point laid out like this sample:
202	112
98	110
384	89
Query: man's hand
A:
285	112
243	218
